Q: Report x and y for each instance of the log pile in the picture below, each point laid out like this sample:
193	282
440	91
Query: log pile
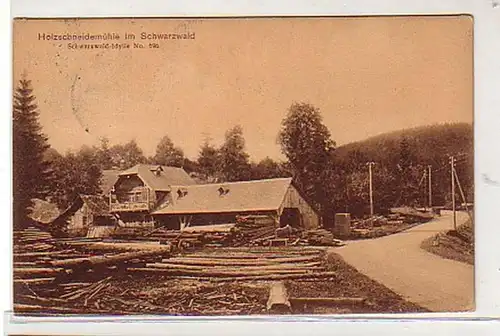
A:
38	258
321	237
33	249
412	215
130	233
252	231
242	264
32	239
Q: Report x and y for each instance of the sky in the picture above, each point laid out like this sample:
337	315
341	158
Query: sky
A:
367	76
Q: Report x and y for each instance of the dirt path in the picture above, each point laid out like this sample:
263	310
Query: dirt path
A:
398	262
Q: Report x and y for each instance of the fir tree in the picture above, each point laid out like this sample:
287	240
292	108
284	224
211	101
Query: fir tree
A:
31	173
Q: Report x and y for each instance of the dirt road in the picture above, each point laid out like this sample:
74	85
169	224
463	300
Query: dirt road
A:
398	262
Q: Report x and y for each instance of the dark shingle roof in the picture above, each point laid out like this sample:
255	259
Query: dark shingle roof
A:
43	211
258	195
109	177
168	176
98	205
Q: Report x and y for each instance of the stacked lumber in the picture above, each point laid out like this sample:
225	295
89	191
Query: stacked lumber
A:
411	215
33	248
252	231
233	265
117	259
321	237
32	238
130	233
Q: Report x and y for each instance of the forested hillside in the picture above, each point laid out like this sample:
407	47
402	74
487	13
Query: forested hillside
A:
401	159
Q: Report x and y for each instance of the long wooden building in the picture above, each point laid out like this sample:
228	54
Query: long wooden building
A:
221	203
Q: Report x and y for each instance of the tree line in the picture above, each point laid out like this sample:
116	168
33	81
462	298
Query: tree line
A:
333	179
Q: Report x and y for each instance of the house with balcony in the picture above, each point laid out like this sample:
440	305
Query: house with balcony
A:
138	190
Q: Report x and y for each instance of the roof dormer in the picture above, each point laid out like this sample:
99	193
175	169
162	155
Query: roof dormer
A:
223	190
157	170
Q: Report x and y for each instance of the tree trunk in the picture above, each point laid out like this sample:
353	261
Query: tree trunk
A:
106	260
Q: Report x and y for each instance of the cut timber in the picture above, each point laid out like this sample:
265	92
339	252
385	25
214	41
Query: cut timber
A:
24	263
107	260
46	310
278	298
32	271
337	301
38	254
221	273
309	276
306	266
257	250
225	262
35	308
38	281
242	255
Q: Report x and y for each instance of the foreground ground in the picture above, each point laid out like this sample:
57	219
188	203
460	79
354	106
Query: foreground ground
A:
399	263
113	292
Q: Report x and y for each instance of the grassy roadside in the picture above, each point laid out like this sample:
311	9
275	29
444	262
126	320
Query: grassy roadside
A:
349	282
455	245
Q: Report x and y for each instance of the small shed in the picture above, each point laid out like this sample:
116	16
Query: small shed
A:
85	211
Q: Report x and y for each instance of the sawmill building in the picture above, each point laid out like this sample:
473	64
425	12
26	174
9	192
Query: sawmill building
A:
209	204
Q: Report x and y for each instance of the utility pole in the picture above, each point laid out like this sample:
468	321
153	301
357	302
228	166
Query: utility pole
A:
464	199
370	164
430	185
452	165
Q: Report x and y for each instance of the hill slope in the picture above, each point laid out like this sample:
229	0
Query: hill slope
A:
402	159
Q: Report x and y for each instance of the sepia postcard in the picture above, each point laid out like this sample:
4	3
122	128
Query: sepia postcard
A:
243	166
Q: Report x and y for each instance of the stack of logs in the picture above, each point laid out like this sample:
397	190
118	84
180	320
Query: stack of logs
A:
39	259
320	237
252	231
233	264
33	251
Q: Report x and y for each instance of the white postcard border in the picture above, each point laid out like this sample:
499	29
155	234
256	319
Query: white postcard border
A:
486	15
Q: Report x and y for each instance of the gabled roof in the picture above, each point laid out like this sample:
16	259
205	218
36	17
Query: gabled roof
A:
258	195
167	176
109	177
96	203
43	212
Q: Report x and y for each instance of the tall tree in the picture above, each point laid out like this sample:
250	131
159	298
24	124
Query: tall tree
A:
32	174
103	154
268	168
167	154
407	173
234	162
76	173
208	160
127	155
307	144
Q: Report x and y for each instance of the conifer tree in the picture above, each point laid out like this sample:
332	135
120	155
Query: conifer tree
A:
31	173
